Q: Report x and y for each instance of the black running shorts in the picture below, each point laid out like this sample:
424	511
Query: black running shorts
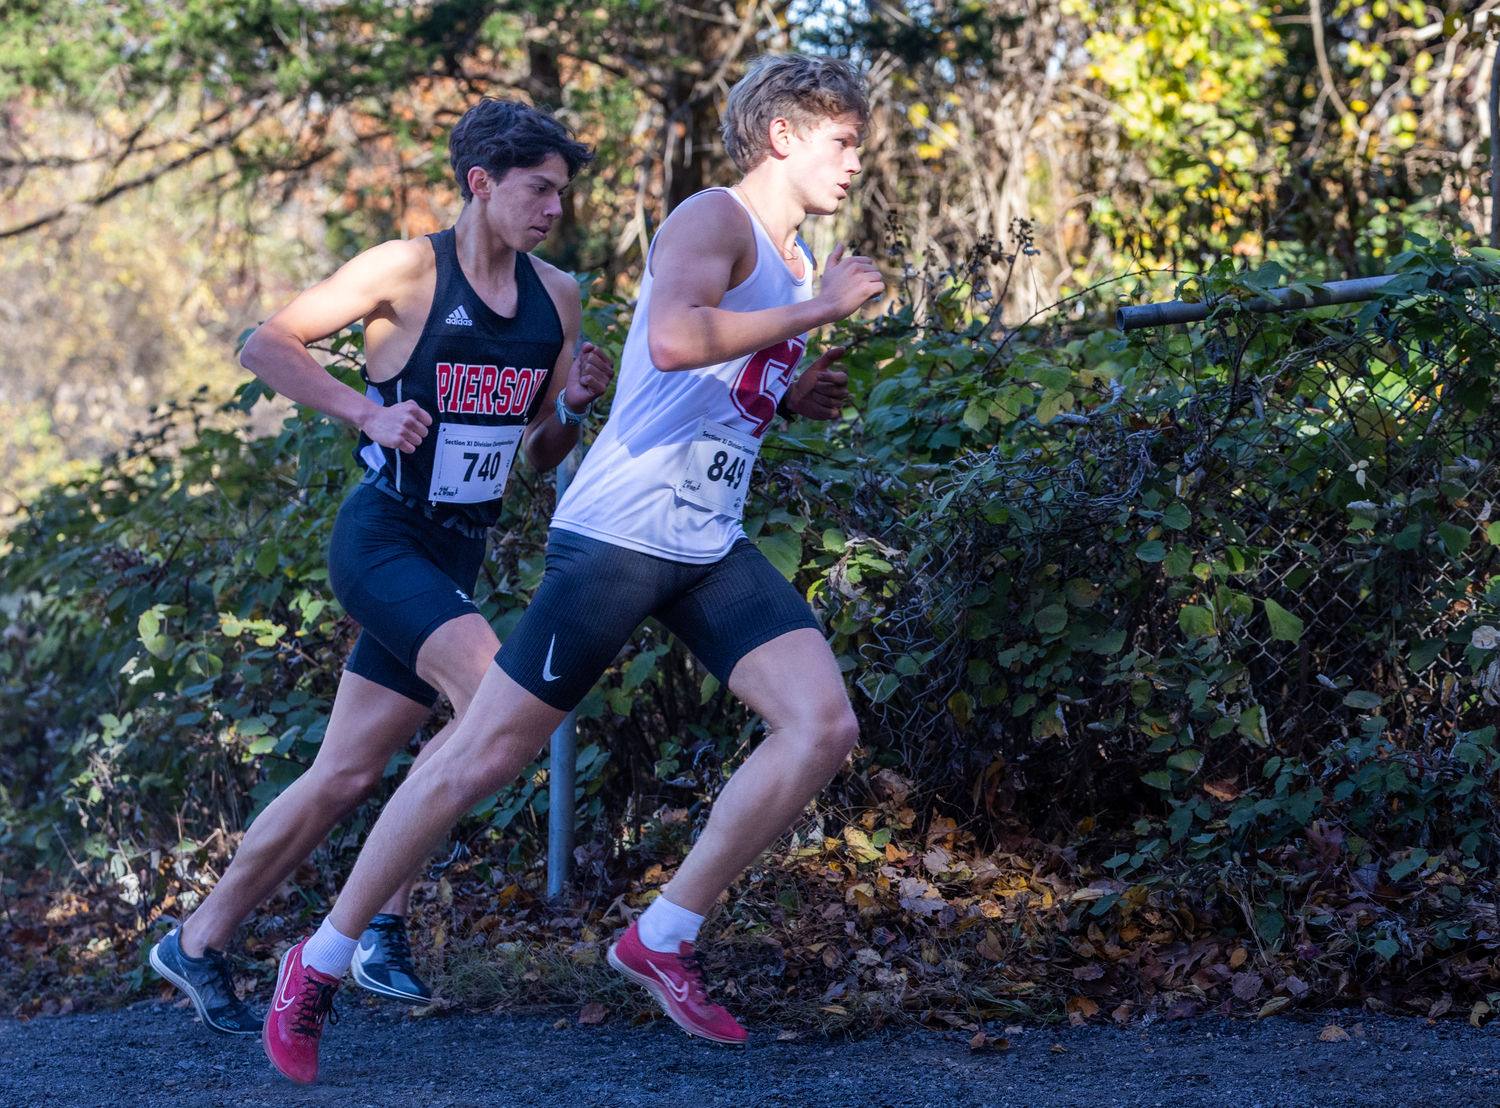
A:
595	594
402	576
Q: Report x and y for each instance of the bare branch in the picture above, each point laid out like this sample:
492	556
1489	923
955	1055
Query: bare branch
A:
1323	67
106	195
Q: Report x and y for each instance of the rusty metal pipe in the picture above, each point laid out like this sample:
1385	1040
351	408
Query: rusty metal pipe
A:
1136	316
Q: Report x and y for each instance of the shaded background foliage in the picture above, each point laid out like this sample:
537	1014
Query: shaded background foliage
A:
1195	606
255	145
1198	619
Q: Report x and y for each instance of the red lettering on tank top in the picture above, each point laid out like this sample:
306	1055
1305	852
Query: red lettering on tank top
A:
444	379
523	390
448	401
487	390
505	391
471	386
763	379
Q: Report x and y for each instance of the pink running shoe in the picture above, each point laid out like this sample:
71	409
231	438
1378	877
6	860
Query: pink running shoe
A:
677	982
294	1022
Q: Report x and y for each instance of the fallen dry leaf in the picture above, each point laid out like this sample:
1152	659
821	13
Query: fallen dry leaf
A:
990	947
559	1025
1272	1006
937	860
785	1036
1222	790
1083	1005
1333	1033
1122	1013
1247	986
1237	957
1440	1007
890	785
1182	1010
1058	1048
1478	1012
1091	972
593	1012
858	844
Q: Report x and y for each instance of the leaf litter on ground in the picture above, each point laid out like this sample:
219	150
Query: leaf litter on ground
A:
844	932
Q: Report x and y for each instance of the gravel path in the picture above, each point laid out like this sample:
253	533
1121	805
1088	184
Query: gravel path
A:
158	1054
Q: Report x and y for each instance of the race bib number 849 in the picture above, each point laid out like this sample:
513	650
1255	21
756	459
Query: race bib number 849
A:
472	462
717	473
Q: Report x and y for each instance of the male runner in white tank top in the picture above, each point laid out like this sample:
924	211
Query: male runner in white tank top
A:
651	527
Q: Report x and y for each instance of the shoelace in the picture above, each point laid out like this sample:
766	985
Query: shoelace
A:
316	1007
223	978
698	977
395	945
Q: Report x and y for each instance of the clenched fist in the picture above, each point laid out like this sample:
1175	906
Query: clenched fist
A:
402	426
588	377
820	392
849	282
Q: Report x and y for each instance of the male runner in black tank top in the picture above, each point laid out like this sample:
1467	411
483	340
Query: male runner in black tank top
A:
469	344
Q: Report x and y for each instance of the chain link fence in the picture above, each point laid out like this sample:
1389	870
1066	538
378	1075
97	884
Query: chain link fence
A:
1270	529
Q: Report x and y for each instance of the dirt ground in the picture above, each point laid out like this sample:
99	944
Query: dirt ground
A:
158	1054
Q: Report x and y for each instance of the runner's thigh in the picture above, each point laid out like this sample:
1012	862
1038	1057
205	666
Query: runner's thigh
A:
740	603
401	577
592	596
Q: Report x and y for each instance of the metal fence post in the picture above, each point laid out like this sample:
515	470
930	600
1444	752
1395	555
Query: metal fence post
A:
564	758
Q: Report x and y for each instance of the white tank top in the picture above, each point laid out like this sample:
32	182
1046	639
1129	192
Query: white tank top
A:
625	492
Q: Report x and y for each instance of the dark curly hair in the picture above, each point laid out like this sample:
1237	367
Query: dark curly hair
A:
501	135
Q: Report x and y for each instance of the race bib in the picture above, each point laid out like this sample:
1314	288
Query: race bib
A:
717	473
472	462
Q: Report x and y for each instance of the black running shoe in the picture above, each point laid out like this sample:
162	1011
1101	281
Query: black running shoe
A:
382	961
208	982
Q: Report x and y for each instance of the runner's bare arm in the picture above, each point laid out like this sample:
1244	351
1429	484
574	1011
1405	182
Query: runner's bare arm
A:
367	286
579	381
693	263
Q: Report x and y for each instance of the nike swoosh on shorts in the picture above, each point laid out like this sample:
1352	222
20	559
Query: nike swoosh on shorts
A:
547	674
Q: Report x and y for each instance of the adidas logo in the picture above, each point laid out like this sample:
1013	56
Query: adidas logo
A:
459	318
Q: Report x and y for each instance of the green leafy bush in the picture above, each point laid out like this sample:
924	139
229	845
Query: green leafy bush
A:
1221	596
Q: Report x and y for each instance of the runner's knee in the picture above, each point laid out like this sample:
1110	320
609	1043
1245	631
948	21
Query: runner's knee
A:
460	783
842	734
832	727
347	787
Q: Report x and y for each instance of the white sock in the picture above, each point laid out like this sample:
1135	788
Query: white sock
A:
329	950
663	925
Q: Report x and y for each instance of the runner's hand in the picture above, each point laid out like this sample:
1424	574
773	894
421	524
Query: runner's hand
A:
820	392
589	376
849	282
401	427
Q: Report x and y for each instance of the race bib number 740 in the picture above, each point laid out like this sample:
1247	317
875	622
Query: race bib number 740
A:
472	462
717	473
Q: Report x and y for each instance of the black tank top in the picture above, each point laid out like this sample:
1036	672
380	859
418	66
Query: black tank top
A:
481	377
